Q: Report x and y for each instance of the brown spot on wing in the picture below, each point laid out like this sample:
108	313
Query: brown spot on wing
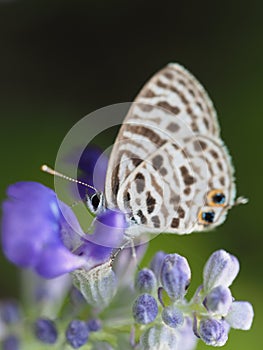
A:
150	202
214	153
157	161
156	221
188	179
140	182
175	222
173	127
181	212
174	109
187	190
163	171
222	180
145	131
142	217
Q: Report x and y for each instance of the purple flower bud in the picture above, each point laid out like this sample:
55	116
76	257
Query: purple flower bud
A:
94	325
98	285
220	269
172	316
218	300
156	263
240	315
11	343
213	332
145	281
77	333
45	330
159	338
145	309
10	311
175	276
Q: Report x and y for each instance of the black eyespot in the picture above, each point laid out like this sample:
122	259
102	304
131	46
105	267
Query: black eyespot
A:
95	201
216	198
208	216
219	198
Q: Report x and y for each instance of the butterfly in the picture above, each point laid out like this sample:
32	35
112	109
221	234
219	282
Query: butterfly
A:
169	170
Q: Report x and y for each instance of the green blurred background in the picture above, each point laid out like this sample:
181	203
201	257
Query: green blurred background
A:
60	60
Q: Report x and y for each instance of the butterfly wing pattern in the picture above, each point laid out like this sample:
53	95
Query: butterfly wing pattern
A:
169	169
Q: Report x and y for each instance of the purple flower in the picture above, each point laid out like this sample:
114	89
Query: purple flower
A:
93	166
77	333
218	300
41	232
145	309
145	281
172	316
220	269
213	332
10	311
46	331
94	325
240	315
11	343
175	276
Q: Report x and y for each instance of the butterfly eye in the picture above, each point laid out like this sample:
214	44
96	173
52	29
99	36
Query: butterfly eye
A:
216	198
206	217
95	202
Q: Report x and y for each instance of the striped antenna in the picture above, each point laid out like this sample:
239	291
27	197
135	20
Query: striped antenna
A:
53	172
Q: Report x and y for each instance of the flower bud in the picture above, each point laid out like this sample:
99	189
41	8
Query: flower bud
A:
145	309
10	312
175	276
46	331
11	342
156	263
77	333
220	269
172	316
218	300
94	325
158	338
240	315
98	285
145	281
213	332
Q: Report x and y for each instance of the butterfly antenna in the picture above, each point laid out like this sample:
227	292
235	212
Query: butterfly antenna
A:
53	172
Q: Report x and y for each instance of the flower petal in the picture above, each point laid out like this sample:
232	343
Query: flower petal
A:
218	300
57	260
240	315
109	229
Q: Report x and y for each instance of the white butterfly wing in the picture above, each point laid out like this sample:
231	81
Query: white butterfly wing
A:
169	114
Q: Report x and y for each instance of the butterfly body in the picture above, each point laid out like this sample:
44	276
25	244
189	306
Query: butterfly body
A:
169	170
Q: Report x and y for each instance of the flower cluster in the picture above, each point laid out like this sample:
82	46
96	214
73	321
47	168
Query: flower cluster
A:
83	290
209	315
